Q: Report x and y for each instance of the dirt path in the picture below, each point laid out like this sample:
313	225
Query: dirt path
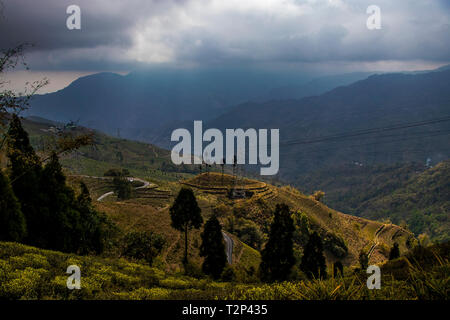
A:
372	248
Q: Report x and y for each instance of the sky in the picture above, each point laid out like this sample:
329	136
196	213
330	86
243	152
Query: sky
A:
323	36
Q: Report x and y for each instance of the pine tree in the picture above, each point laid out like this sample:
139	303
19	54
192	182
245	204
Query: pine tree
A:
58	210
213	249
313	261
92	223
395	252
12	220
25	173
338	269
54	217
185	215
278	254
363	260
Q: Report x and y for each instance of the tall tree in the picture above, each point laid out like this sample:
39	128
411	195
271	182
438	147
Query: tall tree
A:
25	173
395	252
338	269
213	248
313	261
58	210
12	220
278	254
185	214
363	260
92	224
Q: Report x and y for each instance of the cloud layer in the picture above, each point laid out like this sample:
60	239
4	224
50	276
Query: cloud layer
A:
120	35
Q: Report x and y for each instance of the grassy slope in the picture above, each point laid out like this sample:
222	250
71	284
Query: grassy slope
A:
141	159
423	202
27	269
406	194
358	233
145	161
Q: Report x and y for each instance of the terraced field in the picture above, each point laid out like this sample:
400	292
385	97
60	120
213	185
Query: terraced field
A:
216	183
358	233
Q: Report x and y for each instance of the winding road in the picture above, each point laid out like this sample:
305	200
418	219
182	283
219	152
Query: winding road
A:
103	196
229	247
228	241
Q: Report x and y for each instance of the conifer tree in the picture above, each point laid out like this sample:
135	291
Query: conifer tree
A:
58	210
313	261
12	220
338	269
395	252
278	254
363	260
92	224
185	215
212	248
25	173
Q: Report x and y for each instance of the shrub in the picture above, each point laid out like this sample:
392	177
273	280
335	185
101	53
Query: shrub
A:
143	246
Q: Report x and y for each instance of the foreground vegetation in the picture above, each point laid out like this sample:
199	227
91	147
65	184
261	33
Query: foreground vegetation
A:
31	273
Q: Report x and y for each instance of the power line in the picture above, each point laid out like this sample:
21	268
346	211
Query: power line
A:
365	132
434	134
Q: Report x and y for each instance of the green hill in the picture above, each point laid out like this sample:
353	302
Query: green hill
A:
407	194
141	159
245	215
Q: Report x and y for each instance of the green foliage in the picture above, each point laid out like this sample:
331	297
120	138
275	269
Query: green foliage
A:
213	248
335	244
395	252
313	261
31	273
25	173
185	215
55	217
58	213
94	227
142	246
338	269
318	195
123	188
407	193
302	228
117	173
228	274
363	260
12	220
278	254
248	231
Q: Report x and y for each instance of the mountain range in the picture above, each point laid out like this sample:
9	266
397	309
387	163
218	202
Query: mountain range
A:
148	106
142	103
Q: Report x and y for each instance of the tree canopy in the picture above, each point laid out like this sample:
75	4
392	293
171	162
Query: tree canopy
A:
213	248
185	215
278	254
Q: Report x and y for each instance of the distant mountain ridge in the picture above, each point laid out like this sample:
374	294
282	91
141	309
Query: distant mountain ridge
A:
376	102
142	103
148	106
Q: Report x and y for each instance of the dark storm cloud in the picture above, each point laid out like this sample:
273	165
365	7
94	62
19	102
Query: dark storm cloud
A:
43	23
124	34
